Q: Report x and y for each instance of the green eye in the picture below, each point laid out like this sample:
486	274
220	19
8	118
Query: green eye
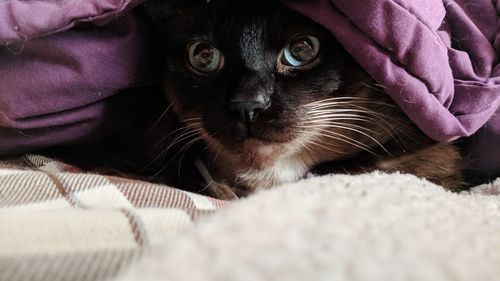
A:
301	51
204	58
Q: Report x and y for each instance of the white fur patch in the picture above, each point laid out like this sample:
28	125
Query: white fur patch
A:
286	169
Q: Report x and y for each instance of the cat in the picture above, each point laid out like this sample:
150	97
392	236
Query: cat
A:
263	96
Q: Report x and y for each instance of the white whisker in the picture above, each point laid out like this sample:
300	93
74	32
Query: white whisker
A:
160	118
346	139
177	140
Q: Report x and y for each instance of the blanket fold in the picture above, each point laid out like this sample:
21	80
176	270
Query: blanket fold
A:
72	86
26	20
58	223
437	59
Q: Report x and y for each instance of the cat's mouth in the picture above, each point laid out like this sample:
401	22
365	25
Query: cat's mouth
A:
256	155
254	145
255	152
259	141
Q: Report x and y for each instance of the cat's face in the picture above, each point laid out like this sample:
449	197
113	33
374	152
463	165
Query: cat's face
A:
259	81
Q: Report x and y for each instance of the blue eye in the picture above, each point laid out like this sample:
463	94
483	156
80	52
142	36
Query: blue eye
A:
204	58
301	51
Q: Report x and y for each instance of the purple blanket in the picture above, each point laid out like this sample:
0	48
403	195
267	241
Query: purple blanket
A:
67	87
438	59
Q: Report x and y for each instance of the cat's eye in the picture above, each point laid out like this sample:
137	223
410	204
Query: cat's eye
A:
204	57
301	51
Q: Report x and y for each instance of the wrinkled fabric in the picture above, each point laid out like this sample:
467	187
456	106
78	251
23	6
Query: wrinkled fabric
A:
438	60
68	87
23	20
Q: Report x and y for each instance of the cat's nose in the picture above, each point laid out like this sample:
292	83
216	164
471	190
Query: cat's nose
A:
247	111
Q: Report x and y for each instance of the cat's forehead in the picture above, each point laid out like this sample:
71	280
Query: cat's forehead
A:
252	46
244	23
273	22
249	33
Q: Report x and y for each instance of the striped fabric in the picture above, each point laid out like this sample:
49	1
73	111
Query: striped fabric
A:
57	223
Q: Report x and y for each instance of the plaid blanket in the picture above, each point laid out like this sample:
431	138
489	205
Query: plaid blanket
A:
57	223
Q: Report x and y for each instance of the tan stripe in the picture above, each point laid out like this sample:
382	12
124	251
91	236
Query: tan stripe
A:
138	230
37	161
28	159
83	266
81	182
135	193
11	190
60	187
183	200
220	203
27	191
145	195
27	188
199	214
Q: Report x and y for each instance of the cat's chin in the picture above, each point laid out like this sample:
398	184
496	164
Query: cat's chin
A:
259	153
259	146
259	164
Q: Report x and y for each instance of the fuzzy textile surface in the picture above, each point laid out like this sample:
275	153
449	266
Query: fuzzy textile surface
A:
370	227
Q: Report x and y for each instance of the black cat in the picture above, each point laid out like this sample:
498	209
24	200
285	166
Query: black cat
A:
266	95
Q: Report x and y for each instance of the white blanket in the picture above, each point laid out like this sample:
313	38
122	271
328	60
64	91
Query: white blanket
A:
369	227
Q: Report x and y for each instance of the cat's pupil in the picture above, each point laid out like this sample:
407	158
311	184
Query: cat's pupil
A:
204	56
303	50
